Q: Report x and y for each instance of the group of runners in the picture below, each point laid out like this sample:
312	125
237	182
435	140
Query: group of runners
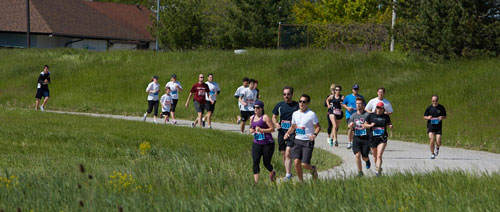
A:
297	125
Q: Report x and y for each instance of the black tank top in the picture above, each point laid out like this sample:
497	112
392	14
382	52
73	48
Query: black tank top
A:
337	103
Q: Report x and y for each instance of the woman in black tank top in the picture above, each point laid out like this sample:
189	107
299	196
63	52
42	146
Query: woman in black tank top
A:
335	112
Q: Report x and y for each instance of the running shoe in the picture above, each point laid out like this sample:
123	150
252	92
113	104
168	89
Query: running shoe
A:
174	121
436	152
433	156
377	174
156	122
209	126
314	173
192	125
168	120
203	122
272	176
144	117
349	145
368	164
360	174
42	108
238	120
336	143
330	141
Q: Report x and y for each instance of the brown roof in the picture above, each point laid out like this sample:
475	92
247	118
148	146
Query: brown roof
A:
72	18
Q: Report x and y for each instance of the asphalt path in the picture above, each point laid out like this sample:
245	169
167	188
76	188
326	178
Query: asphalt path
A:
399	156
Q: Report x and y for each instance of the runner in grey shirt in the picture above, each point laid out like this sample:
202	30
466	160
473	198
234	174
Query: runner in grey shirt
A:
360	144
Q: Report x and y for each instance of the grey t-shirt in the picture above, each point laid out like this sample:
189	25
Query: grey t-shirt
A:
358	120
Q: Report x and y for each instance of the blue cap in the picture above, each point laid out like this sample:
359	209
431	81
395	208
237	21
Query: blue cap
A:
259	103
355	86
174	76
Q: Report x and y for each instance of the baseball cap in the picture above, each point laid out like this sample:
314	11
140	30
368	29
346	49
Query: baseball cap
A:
380	104
259	103
174	76
355	86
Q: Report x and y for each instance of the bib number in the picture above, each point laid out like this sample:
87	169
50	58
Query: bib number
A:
434	121
360	132
250	102
337	111
285	124
174	92
378	131
39	85
201	93
259	136
212	93
300	131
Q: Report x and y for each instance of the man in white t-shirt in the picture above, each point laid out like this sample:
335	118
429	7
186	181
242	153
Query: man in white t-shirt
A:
214	91
175	88
305	124
247	99
372	104
166	102
237	96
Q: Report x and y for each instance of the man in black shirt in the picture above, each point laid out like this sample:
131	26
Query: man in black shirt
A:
43	88
285	111
434	114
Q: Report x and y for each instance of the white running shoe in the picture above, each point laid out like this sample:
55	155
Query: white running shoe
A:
155	121
144	117
174	121
349	145
433	156
238	120
192	125
436	152
42	108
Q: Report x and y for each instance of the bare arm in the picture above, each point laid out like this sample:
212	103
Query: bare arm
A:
275	122
317	129
269	123
241	101
187	100
290	131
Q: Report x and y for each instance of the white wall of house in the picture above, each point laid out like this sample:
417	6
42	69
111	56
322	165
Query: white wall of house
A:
93	45
45	41
123	46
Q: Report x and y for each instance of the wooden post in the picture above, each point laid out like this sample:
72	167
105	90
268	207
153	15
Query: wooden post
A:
279	34
28	45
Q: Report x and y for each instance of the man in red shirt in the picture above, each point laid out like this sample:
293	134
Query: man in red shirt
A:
200	91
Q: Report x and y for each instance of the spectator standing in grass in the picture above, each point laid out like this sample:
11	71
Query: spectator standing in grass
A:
377	123
199	91
166	102
350	108
261	127
43	88
153	90
371	106
335	113
435	114
305	124
285	110
214	92
247	99
175	87
361	143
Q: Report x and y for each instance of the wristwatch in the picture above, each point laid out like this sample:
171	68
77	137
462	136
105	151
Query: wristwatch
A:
316	134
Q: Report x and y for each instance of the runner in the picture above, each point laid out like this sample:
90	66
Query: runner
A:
305	124
330	124
153	99
237	95
377	123
214	92
175	88
258	91
247	99
166	102
263	143
43	88
434	114
200	91
350	108
370	107
285	111
360	145
335	113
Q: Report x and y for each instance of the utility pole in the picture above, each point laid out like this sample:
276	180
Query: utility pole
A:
157	25
28	24
392	24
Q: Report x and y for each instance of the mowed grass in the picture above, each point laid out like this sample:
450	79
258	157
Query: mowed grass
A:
114	82
192	170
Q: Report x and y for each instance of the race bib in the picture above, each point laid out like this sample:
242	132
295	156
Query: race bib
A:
434	121
167	103
174	92
300	131
285	124
39	85
360	132
156	94
378	131
337	111
259	136
212	93
251	101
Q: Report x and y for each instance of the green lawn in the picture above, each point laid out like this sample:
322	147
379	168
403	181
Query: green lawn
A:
189	169
114	82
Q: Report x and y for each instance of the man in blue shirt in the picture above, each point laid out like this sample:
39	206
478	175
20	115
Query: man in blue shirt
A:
350	108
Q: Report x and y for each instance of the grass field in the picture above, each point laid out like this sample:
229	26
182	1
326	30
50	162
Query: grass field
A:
114	82
184	169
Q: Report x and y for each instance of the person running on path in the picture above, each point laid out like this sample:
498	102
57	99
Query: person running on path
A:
335	113
43	88
261	127
166	102
284	110
214	92
435	114
361	144
199	91
370	107
305	124
377	123
175	87
247	99
330	124
153	90
237	95
349	105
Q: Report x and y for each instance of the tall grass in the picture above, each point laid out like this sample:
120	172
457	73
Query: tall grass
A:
114	82
184	169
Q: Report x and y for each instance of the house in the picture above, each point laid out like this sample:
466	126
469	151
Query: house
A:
98	26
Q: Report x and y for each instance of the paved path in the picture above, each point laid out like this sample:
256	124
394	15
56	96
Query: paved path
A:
399	156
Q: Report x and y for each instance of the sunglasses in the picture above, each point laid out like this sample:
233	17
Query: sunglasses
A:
256	107
337	89
300	101
287	94
202	77
380	107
